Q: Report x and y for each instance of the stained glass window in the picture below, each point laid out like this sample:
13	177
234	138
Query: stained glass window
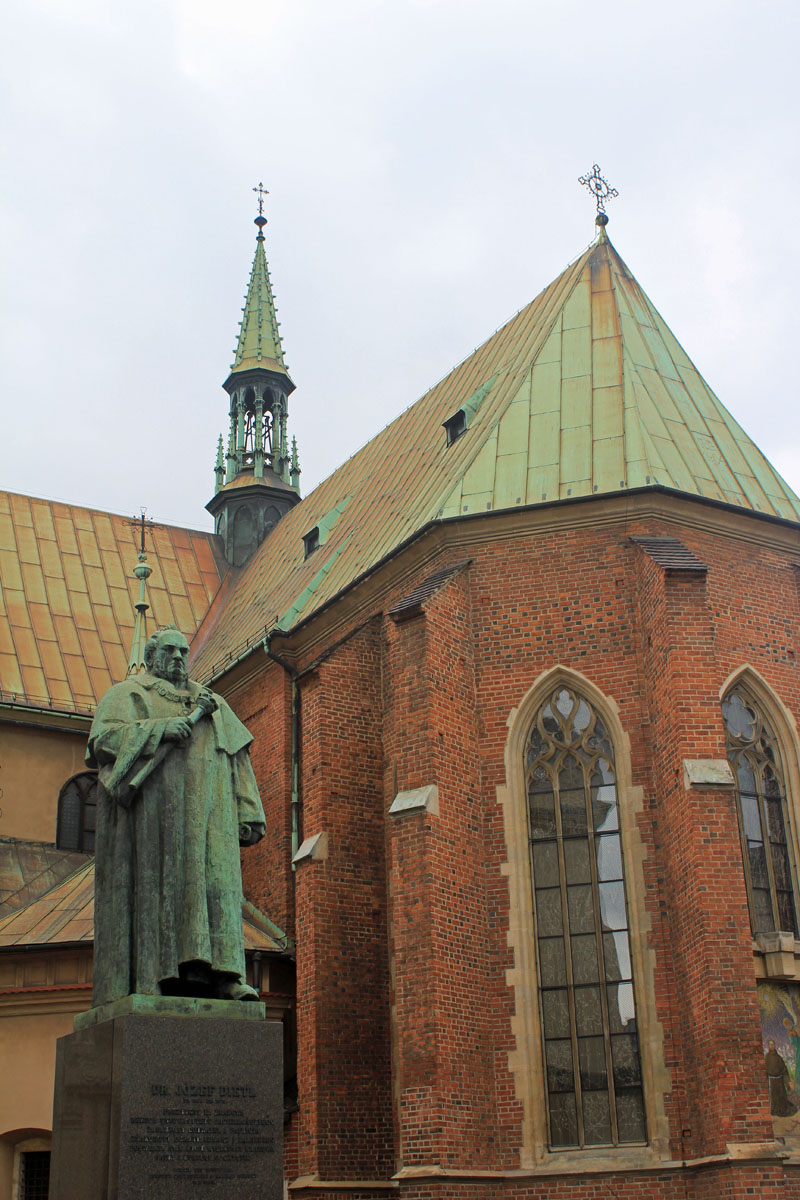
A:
591	1049
761	802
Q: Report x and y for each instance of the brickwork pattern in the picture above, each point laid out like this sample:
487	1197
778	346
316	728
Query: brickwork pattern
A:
405	1014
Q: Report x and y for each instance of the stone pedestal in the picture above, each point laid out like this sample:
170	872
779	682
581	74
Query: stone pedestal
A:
170	1098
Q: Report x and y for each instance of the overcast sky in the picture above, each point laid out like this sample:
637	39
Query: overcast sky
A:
422	159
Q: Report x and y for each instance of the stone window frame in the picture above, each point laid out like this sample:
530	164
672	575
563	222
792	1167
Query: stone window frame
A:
776	955
28	1145
525	1060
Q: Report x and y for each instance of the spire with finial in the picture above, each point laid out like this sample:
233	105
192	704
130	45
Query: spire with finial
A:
254	479
142	571
259	343
601	191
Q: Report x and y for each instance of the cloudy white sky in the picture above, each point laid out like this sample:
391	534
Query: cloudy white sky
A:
422	159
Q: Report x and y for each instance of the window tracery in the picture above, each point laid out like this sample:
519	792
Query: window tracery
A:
754	755
586	993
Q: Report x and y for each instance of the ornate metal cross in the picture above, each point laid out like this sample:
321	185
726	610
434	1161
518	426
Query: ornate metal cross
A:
142	523
262	192
599	188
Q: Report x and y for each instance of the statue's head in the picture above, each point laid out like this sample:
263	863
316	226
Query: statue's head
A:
166	654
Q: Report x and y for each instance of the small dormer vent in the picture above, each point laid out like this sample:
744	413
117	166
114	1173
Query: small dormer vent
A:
311	541
455	426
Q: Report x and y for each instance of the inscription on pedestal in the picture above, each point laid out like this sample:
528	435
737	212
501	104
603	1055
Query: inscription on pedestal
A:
173	1108
197	1131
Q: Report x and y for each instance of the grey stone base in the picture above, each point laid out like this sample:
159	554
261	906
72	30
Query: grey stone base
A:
171	1006
169	1106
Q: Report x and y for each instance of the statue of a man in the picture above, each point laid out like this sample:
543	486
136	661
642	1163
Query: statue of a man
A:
176	798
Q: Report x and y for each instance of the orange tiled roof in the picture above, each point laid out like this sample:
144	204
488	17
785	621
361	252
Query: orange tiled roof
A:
67	594
66	914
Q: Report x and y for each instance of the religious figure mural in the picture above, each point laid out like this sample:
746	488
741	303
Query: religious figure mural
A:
176	799
780	1016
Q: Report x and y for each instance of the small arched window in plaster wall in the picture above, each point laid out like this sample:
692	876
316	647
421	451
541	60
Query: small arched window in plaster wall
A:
585	978
76	813
755	757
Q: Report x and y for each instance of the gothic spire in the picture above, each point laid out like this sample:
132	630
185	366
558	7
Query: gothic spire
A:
256	481
259	343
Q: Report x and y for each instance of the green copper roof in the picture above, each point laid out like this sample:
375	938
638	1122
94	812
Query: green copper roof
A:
584	392
259	342
610	400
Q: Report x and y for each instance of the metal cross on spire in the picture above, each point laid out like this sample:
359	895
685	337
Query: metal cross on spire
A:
599	188
142	523
260	220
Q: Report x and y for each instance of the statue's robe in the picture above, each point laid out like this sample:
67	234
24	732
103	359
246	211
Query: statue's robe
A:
168	884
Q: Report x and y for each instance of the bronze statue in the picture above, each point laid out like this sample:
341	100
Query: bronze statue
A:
176	798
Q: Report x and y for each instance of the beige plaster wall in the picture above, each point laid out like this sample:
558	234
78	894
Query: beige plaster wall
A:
34	763
27	1065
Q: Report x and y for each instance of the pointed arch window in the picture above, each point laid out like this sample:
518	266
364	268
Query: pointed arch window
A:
586	994
754	755
77	802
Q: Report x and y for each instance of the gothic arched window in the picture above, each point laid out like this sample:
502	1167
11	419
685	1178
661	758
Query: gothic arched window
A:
761	802
77	802
586	995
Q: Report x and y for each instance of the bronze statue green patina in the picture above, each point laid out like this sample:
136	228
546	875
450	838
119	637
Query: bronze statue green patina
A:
176	798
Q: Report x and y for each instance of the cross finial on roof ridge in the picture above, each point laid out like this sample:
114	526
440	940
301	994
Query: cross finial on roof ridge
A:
601	191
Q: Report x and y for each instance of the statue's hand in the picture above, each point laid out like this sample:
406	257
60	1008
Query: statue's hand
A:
177	729
207	702
250	833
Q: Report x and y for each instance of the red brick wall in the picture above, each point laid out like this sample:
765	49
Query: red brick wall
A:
344	1068
697	833
439	936
427	700
264	704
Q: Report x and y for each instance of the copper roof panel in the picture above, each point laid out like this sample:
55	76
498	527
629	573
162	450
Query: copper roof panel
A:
16	607
42	622
52	662
67	635
65	533
26	647
6	641
27	547
33	682
57	597
7	539
10	677
10	574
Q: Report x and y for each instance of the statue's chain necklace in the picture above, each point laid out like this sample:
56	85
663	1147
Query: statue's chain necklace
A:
169	693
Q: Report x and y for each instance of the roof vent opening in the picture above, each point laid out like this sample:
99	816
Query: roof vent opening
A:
455	426
311	540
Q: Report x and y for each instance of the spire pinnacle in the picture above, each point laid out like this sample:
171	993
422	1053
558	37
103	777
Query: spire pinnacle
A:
259	343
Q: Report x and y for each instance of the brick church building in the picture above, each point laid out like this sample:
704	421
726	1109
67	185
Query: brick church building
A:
522	679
